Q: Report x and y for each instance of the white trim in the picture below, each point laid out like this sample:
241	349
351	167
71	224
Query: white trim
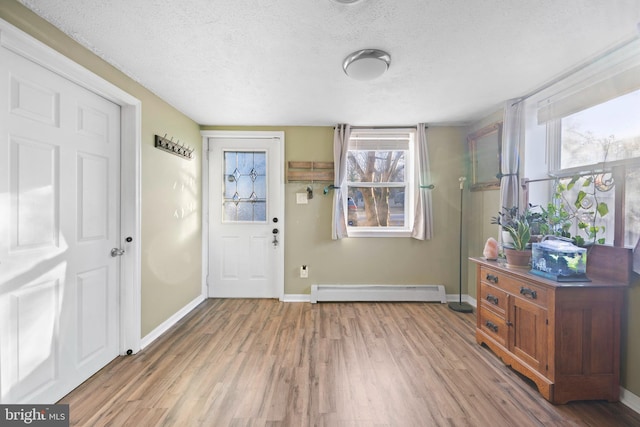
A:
346	292
410	184
296	298
206	134
130	226
167	324
130	118
630	400
465	298
205	215
378	232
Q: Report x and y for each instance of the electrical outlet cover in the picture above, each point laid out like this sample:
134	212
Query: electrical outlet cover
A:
301	198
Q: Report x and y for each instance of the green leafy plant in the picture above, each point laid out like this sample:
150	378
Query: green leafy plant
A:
585	209
520	232
507	217
558	220
537	220
588	221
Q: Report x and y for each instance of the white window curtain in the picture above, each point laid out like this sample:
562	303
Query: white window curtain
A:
341	135
422	223
510	154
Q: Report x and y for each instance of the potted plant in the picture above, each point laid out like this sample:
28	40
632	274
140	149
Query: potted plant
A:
510	217
506	218
519	253
536	217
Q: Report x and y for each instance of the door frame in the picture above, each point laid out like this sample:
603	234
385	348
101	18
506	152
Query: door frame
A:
129	290
275	135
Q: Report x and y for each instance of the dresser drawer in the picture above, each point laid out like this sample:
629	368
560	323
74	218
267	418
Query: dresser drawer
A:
534	293
494	326
493	299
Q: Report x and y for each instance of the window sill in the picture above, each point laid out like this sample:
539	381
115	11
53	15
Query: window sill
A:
371	232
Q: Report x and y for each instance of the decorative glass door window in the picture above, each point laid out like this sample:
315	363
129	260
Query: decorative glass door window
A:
244	197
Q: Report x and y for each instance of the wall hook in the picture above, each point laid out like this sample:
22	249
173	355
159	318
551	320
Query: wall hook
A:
329	187
176	148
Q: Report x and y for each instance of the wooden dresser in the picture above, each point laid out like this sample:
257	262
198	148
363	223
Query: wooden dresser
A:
565	337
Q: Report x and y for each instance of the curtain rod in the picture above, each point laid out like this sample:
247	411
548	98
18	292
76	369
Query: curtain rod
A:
553	177
574	70
386	127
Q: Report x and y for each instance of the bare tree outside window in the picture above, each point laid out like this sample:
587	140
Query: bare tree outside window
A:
379	182
377	185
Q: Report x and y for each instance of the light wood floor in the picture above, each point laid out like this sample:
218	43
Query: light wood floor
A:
268	363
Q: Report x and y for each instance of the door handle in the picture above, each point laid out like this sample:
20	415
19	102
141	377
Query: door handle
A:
117	252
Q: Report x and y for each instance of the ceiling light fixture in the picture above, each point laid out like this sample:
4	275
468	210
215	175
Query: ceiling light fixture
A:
366	64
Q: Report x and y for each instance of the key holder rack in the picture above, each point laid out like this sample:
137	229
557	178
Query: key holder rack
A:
174	147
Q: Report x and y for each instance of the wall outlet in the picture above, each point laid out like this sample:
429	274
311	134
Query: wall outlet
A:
304	272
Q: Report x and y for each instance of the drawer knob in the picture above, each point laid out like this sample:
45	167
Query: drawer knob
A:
492	278
528	292
492	299
491	326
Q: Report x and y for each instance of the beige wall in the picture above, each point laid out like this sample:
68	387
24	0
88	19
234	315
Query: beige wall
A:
171	247
171	216
485	204
480	207
369	260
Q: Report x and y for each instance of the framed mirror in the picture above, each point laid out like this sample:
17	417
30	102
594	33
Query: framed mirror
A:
485	154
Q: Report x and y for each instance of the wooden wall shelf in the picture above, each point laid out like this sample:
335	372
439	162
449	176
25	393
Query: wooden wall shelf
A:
310	172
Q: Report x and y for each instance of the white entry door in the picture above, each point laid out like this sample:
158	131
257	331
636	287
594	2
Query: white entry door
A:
59	220
246	223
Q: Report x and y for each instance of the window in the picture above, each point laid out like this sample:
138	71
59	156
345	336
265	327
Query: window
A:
607	132
245	186
380	182
594	132
603	137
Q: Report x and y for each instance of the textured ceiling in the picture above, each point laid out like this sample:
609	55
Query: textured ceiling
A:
278	62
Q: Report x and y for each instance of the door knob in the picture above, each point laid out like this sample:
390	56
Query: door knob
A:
117	252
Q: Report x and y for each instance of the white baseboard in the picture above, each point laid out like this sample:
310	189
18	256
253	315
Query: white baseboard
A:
307	298
465	298
164	326
630	400
347	292
296	298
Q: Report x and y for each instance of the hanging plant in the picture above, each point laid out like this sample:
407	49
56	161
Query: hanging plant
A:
585	209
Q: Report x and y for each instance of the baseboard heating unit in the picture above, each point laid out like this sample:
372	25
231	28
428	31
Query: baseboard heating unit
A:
381	293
